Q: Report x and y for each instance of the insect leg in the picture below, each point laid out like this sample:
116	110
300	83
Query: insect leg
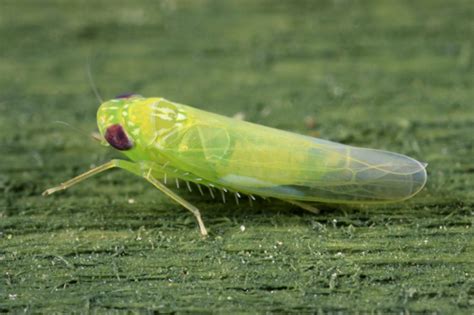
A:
137	170
178	199
96	170
304	206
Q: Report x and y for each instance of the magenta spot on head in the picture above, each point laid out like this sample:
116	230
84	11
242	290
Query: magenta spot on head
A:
126	95
116	137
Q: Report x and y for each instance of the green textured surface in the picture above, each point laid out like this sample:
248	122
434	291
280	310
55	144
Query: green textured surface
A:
394	75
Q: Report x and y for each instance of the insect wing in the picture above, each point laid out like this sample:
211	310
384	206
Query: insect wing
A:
255	159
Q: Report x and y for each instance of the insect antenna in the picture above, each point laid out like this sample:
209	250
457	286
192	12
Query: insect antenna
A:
92	82
94	135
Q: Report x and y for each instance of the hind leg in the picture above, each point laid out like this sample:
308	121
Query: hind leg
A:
304	206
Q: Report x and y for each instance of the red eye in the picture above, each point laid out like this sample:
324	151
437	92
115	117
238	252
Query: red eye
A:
116	137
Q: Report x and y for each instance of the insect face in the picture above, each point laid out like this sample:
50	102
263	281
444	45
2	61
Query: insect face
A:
114	122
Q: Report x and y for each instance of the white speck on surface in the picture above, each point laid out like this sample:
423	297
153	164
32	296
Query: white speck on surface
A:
242	228
131	201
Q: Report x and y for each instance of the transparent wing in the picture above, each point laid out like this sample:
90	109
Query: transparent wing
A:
259	160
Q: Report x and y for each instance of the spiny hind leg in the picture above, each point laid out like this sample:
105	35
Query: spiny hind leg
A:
178	199
129	166
304	206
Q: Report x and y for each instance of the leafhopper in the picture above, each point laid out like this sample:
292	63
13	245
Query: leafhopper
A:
165	141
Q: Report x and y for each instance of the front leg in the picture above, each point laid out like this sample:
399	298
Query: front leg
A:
126	165
142	170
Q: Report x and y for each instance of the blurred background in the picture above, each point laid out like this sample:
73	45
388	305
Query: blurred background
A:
394	75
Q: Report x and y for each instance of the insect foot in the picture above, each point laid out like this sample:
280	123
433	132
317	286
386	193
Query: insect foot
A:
52	190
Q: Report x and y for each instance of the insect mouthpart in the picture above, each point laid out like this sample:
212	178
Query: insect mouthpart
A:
117	137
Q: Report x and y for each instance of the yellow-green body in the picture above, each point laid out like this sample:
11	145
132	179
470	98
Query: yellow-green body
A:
165	140
183	142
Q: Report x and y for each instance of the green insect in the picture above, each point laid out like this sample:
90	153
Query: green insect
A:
167	141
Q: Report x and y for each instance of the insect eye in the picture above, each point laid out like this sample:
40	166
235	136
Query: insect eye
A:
116	137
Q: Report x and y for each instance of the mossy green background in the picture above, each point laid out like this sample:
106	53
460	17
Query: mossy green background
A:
395	75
